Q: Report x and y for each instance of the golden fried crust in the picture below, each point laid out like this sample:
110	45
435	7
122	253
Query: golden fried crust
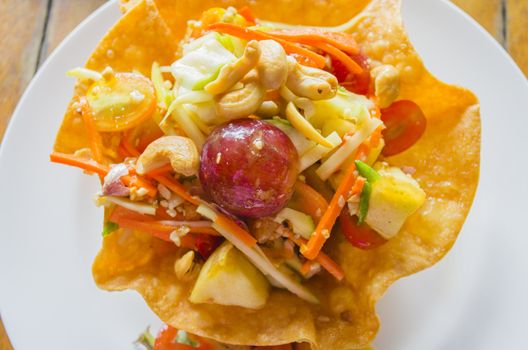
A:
446	161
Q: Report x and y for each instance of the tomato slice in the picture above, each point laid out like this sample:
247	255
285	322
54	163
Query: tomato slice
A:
121	102
362	237
405	123
356	83
206	244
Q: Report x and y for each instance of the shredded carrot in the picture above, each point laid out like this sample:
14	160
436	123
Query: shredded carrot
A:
232	227
85	164
352	66
343	41
375	138
331	266
125	142
123	153
176	187
157	230
137	181
120	212
311	202
306	267
160	171
135	221
94	138
362	151
326	262
247	13
250	34
324	227
204	231
147	138
358	185
101	170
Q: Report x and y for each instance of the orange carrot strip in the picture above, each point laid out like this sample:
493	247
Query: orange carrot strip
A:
313	203
101	170
232	227
120	212
123	153
351	65
160	171
157	230
204	231
94	138
343	41
176	187
147	138
306	267
131	150
136	221
247	13
85	164
136	181
375	138
249	34
358	185
323	229
331	266
326	262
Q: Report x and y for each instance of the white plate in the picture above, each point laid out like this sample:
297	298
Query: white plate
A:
476	298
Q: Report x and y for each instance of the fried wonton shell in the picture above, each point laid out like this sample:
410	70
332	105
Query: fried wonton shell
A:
446	161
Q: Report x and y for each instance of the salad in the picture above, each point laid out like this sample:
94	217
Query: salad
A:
266	184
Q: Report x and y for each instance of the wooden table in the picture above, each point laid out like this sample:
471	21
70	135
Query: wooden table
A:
31	29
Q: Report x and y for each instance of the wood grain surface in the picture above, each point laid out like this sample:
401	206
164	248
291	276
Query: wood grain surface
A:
31	29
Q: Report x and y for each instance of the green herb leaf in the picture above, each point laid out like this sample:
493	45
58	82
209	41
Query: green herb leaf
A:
367	172
364	201
109	227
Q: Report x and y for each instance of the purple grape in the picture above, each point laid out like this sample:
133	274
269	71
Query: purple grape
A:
249	167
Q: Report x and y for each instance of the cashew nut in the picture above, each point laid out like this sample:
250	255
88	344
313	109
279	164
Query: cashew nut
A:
178	151
386	84
241	102
232	73
185	268
268	109
272	66
313	83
